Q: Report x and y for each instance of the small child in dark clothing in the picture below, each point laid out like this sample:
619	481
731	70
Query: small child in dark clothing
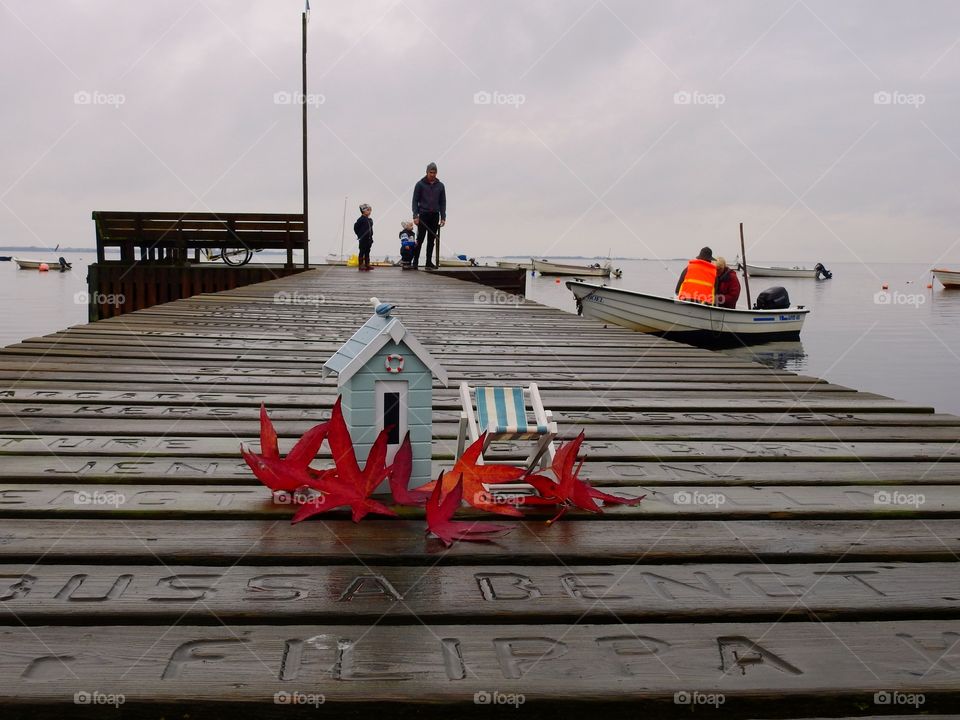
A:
408	243
363	229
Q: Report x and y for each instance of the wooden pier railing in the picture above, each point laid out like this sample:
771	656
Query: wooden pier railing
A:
183	237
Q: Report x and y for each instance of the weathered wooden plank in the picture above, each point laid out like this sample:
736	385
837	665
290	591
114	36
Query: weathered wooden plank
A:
144	393
502	593
653	450
595	418
38	424
323	541
813	665
254	501
185	469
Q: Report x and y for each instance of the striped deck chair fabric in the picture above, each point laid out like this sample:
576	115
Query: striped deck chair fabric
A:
501	412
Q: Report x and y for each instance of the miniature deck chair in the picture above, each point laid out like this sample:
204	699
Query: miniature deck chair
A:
502	413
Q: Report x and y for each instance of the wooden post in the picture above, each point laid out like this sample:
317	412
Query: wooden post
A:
746	277
303	99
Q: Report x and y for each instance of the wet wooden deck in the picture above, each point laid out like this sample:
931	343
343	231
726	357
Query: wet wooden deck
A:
796	554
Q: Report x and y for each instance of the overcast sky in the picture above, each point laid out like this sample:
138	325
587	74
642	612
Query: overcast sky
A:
560	127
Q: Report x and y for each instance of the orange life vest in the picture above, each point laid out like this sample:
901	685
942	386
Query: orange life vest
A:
699	282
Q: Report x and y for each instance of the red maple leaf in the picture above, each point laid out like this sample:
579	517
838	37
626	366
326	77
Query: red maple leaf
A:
400	476
447	530
349	485
570	491
473	477
293	471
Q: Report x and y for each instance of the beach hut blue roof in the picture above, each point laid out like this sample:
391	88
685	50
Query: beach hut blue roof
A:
369	340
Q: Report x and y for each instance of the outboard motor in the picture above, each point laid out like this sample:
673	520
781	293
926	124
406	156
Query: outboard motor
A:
775	298
63	263
822	271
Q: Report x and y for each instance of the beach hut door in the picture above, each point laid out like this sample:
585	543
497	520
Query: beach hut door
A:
391	410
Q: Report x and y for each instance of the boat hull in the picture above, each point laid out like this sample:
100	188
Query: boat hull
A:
766	271
949	278
25	264
545	267
686	321
507	265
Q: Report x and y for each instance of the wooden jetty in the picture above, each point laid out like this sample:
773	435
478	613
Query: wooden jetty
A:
796	555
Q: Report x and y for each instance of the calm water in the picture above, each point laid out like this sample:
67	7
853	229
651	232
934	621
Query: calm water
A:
907	348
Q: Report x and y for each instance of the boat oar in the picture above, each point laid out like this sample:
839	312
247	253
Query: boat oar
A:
746	277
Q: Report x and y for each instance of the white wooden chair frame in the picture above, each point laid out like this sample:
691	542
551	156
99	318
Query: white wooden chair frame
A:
543	450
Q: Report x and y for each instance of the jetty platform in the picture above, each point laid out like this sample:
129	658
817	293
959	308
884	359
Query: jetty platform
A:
796	554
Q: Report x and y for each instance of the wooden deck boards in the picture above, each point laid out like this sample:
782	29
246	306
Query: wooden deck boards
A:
796	555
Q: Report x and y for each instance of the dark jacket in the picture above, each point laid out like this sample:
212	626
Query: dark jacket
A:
429	197
363	229
728	289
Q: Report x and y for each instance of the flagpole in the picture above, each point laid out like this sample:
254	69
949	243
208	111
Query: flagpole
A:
303	102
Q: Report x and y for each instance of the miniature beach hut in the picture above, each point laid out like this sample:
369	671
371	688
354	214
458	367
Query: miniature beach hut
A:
385	379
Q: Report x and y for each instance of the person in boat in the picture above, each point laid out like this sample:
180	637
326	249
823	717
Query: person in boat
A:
363	228
408	243
728	285
429	212
698	280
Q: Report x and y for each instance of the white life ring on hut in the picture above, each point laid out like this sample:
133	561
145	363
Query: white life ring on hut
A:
394	363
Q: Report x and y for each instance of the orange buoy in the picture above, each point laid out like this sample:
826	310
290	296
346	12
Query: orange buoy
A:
929	286
557	281
43	267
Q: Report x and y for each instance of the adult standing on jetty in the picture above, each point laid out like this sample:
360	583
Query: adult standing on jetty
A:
429	212
698	279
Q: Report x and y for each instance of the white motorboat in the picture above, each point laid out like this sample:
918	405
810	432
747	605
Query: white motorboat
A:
683	320
949	278
507	265
26	264
774	271
545	267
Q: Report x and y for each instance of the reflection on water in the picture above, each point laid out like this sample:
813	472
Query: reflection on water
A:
782	355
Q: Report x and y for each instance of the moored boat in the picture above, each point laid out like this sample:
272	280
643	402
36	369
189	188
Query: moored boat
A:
774	271
691	322
545	267
508	265
25	264
949	278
